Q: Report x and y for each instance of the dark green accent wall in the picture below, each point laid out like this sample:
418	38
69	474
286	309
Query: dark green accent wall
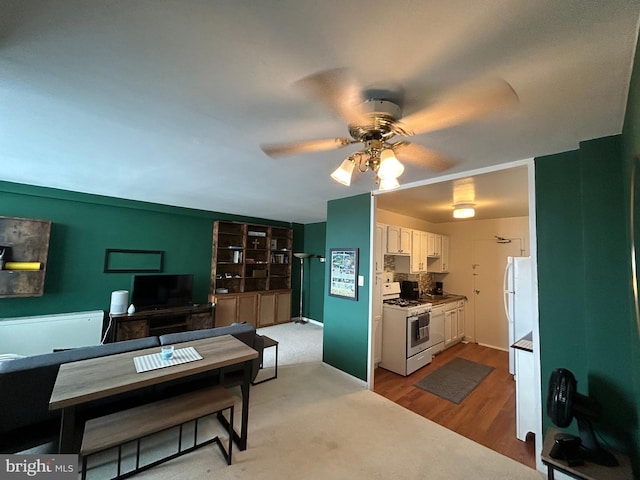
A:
83	226
314	288
584	282
346	322
584	226
560	289
631	160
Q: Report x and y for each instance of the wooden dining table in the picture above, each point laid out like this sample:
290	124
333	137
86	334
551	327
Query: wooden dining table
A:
84	381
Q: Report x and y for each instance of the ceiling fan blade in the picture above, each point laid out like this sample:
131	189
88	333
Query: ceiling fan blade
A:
277	150
339	91
423	156
459	106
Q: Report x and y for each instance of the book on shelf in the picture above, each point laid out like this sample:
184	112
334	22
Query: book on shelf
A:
279	258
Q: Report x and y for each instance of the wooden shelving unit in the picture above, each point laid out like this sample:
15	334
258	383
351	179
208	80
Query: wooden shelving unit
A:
250	264
25	240
250	258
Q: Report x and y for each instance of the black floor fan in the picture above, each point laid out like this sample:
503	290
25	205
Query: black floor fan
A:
564	403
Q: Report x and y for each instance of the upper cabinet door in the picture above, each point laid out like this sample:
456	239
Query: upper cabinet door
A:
398	240
435	245
419	248
405	240
440	264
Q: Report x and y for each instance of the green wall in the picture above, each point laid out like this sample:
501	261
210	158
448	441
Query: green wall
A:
631	159
584	282
346	322
83	226
588	318
314	285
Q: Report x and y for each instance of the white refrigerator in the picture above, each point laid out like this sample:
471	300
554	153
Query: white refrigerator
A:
518	301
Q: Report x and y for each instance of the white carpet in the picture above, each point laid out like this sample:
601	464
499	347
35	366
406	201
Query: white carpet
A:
315	422
298	343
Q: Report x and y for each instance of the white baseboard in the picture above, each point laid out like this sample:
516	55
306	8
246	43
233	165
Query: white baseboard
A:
306	319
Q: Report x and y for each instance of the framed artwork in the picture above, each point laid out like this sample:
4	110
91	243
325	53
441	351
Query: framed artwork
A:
343	273
125	261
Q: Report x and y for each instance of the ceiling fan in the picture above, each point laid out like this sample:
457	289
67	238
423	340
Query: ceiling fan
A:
375	118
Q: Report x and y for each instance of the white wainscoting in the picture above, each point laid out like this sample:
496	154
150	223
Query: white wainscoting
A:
44	333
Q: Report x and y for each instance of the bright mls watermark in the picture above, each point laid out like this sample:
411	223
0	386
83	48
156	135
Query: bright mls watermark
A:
51	467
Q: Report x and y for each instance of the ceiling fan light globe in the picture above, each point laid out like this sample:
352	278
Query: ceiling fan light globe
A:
390	167
387	153
388	183
343	173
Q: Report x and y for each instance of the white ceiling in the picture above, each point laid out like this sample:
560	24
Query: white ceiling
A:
497	194
169	101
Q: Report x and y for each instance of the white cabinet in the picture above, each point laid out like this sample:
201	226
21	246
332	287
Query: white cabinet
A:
398	240
379	247
444	254
419	245
440	264
434	247
460	308
416	259
453	323
525	394
448	328
438	322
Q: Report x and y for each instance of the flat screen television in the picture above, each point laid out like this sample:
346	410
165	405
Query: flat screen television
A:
150	292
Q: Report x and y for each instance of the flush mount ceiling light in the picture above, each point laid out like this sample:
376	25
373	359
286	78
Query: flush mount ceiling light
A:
464	210
464	197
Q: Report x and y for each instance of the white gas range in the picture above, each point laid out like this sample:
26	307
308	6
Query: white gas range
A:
409	338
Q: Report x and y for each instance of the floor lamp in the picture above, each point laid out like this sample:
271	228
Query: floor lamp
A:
301	256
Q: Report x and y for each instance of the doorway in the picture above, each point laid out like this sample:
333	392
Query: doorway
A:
489	260
502	195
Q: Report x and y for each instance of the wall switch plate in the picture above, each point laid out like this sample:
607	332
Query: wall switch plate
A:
361	280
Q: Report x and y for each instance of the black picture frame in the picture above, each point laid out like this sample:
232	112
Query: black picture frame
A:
117	260
343	273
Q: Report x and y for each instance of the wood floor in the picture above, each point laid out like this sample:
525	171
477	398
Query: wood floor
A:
486	416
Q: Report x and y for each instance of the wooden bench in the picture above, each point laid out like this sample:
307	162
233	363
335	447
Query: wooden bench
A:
134	424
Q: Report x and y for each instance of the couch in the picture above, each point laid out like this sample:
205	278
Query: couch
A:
26	385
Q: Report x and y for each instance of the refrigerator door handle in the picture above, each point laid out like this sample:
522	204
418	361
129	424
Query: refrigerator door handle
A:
506	290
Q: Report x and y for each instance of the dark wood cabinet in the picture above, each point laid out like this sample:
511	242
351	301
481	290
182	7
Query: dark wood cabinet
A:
261	309
147	323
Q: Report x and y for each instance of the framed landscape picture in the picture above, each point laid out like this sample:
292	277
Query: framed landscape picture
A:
343	273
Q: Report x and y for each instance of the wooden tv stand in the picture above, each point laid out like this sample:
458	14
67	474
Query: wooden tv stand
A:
158	322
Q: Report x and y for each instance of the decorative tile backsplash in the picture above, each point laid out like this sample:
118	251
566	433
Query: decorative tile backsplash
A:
426	281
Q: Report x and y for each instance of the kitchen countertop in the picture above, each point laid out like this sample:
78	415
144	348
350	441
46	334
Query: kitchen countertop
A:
442	299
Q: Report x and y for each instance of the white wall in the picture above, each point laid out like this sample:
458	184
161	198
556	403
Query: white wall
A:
462	235
391	218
